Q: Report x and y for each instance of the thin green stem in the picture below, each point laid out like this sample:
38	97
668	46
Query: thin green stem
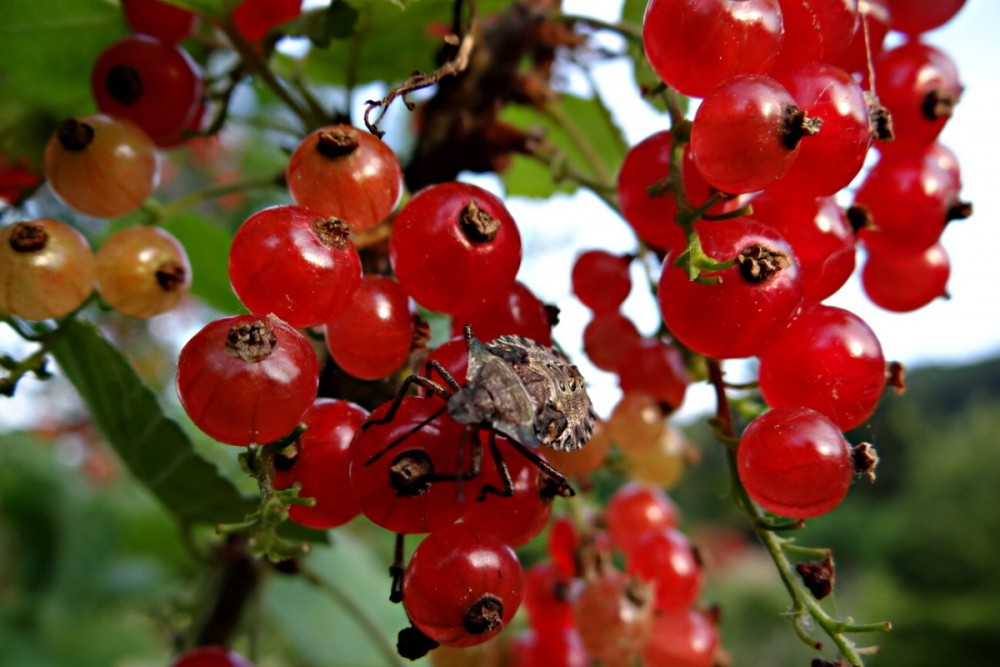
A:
580	139
561	168
259	67
803	601
356	611
192	198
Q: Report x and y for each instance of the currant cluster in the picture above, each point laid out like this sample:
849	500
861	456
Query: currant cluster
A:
582	608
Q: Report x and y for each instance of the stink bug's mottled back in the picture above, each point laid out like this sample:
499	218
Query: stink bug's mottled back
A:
519	389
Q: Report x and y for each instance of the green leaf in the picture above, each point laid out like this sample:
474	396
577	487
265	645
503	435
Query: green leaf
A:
204	7
583	120
207	246
45	53
154	448
633	11
335	21
388	42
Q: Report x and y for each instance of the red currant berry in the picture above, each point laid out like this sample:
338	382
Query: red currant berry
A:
517	519
614	615
794	462
211	656
753	301
816	30
372	337
906	282
695	44
455	248
918	16
820	235
320	462
101	166
412	474
254	18
828	161
685	638
292	262
665	558
635	509
247	379
520	313
46	269
869	38
166	22
547	596
462	586
829	360
655	368
142	271
607	338
154	84
342	172
746	133
920	86
601	280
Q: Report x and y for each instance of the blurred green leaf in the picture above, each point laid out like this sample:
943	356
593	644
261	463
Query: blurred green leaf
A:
207	246
154	448
322	25
389	41
205	7
583	119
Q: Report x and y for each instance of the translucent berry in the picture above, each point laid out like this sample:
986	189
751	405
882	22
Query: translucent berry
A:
142	271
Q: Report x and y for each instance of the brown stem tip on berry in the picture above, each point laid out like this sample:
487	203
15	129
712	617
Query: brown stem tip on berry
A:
411	473
124	84
28	237
74	135
478	225
485	615
337	143
865	460
171	276
332	232
796	124
251	342
758	263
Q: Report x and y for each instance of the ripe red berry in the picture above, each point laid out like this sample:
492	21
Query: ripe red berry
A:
320	462
342	172
635	509
794	462
614	615
154	84
695	44
373	335
754	301
918	16
254	18
684	638
657	369
520	313
746	133
101	166
142	271
292	262
919	84
247	379
46	269
665	558
405	472
817	30
601	279
829	360
607	338
455	248
211	656
462	586
820	235
905	282
165	22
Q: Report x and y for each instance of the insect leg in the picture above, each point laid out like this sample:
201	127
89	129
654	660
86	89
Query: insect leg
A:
563	487
501	465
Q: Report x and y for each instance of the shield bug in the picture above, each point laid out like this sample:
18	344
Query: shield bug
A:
517	388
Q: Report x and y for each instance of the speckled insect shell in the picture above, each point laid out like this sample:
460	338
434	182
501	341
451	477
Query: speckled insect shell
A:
527	392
